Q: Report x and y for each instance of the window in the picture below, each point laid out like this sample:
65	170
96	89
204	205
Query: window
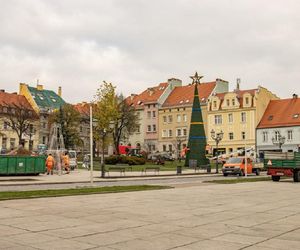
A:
153	147
170	118
44	124
184	118
4	141
153	114
295	116
148	114
230	118
138	129
233	102
230	136
270	118
164	133
215	104
247	100
228	102
178	118
5	125
170	148
148	106
81	129
178	132
164	148
243	117
149	128
184	132
218	119
265	136
290	135
277	135
165	119
44	140
170	133
154	128
243	135
154	105
12	143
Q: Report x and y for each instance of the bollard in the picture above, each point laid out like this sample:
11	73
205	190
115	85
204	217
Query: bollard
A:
179	169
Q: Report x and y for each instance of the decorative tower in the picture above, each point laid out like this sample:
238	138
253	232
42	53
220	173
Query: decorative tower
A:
197	138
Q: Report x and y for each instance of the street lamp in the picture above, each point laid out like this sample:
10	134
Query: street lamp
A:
217	137
278	140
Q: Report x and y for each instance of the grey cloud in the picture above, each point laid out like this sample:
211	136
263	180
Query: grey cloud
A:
138	43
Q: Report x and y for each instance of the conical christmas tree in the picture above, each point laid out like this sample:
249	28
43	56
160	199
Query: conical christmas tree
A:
197	138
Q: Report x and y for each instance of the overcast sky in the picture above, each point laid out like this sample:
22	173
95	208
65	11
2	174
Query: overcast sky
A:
136	44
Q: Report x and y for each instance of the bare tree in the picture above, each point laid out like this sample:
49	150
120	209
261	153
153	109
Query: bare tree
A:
19	117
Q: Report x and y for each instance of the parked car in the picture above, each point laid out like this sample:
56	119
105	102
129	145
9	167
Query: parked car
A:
161	155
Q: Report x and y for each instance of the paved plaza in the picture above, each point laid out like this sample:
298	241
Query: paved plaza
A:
261	215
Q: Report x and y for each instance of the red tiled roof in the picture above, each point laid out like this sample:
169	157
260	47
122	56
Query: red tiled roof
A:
83	108
150	95
184	95
281	113
12	100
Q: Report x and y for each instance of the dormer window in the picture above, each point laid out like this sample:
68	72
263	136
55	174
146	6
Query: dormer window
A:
295	116
228	102
215	104
270	118
233	102
247	100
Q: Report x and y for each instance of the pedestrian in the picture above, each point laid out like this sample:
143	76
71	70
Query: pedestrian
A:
86	161
50	164
66	162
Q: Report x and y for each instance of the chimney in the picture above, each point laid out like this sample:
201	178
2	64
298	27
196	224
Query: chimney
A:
39	87
238	82
174	82
295	96
132	96
59	91
2	90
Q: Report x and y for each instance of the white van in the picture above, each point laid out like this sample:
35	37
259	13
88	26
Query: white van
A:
73	159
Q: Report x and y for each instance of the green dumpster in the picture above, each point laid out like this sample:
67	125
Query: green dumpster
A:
21	165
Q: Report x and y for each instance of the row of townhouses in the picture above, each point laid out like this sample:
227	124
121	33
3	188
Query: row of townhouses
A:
254	118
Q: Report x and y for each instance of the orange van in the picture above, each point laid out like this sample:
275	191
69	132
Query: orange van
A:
236	165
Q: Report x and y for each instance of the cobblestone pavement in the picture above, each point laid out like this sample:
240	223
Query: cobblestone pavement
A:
260	215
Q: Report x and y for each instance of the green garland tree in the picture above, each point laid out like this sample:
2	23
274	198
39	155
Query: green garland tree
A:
197	137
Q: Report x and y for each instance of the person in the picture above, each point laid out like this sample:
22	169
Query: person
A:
66	162
86	161
50	164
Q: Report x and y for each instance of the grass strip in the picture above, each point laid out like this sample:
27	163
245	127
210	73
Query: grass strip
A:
239	180
12	195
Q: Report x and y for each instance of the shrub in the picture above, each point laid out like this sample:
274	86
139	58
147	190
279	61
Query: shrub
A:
131	160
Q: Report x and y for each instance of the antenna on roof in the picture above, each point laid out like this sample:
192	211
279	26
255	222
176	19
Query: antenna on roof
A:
238	83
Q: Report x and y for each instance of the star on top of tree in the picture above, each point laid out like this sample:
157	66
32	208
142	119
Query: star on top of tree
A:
196	78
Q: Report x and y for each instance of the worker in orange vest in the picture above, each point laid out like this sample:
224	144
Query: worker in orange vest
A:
66	162
50	164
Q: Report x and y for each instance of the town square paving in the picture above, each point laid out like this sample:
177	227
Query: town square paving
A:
260	215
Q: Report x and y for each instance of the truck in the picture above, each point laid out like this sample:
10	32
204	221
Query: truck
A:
280	164
237	166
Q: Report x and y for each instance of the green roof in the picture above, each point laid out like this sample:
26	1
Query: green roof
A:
46	99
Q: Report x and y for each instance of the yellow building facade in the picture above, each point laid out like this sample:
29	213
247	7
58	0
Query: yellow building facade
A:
237	115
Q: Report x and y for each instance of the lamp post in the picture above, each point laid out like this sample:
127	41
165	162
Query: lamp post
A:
217	137
103	136
278	140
